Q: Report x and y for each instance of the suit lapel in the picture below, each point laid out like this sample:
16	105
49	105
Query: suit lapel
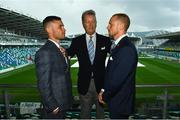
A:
98	45
84	47
56	49
122	42
116	49
119	45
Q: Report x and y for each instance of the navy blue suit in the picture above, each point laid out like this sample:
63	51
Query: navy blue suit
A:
120	79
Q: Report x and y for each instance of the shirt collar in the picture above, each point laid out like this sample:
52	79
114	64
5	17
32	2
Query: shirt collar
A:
119	39
93	36
56	43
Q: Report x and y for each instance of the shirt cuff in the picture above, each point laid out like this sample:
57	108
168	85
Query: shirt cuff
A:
102	90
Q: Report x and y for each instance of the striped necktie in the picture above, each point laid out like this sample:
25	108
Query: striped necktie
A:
91	50
63	51
113	45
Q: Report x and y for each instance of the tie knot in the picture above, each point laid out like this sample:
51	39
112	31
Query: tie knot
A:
90	37
90	40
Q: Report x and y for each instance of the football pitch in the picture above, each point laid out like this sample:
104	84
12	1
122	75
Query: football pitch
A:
155	71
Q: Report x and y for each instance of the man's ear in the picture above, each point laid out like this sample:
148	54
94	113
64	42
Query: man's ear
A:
121	26
48	29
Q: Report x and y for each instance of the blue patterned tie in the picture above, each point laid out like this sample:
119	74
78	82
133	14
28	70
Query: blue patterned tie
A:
91	50
113	45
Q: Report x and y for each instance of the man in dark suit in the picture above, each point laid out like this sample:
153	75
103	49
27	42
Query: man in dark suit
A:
91	50
52	70
119	87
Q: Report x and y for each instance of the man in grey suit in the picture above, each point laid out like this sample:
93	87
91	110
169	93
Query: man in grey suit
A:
52	70
91	50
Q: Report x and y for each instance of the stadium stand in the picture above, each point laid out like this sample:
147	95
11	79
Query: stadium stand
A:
166	45
171	44
16	50
168	53
15	56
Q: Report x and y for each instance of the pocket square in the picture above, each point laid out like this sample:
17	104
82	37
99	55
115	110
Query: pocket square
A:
110	58
103	48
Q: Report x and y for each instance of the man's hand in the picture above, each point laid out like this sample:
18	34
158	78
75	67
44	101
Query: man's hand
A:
100	97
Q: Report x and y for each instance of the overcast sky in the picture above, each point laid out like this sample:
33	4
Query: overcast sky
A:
145	15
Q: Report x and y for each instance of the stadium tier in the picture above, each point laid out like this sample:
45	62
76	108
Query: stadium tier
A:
171	45
167	53
15	56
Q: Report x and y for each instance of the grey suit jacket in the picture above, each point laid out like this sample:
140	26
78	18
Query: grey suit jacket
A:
53	77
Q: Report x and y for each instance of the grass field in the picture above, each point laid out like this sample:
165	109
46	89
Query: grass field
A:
155	72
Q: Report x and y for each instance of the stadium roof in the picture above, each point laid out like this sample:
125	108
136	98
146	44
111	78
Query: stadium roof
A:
172	36
24	25
134	38
21	24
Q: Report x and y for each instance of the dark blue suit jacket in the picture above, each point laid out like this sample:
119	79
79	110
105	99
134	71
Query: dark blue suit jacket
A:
79	48
120	78
53	78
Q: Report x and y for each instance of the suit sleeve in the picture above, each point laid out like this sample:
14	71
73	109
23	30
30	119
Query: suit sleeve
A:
71	51
120	68
43	70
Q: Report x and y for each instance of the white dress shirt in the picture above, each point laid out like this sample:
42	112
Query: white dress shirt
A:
119	39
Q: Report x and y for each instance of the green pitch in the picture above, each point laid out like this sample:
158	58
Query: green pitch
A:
155	72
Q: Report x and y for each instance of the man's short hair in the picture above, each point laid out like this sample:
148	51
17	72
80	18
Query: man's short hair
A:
124	19
88	12
49	19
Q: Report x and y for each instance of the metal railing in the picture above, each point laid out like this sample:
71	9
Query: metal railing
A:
4	88
165	86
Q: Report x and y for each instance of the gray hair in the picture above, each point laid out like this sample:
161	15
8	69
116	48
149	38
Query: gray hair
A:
88	12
